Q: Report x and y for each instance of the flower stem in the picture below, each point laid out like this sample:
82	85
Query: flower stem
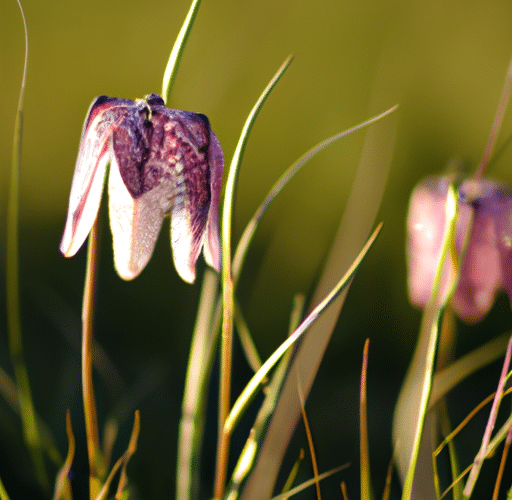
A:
91	422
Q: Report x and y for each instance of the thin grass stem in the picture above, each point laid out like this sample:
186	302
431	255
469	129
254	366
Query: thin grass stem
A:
28	417
227	285
363	429
496	125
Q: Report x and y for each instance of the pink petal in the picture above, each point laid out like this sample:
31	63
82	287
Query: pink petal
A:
426	223
93	156
212	252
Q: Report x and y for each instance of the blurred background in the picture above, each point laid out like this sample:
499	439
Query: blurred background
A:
444	63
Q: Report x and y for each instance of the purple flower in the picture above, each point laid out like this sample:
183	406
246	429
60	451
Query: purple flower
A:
161	161
487	265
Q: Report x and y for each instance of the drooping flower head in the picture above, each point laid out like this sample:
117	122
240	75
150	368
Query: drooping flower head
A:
487	263
161	161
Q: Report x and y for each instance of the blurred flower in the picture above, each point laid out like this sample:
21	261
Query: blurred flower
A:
487	265
161	161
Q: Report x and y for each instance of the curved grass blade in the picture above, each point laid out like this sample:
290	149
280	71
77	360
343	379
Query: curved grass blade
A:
477	463
496	125
132	447
449	377
29	422
412	403
250	389
177	50
250	229
248	454
62	483
310	482
356	224
227	282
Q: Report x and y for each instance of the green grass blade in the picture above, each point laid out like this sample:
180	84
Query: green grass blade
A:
250	389
177	51
354	228
250	229
30	428
412	404
3	492
227	282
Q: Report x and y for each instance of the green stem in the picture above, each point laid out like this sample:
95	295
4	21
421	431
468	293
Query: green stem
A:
91	422
30	428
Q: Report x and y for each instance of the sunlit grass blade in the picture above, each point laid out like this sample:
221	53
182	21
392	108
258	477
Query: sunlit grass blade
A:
246	458
310	482
366	490
191	427
227	282
177	50
412	405
3	492
251	352
504	456
62	482
309	436
250	229
460	369
356	224
30	428
293	473
132	447
477	463
389	476
251	388
444	421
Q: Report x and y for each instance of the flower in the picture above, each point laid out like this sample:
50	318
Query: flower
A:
161	161
487	264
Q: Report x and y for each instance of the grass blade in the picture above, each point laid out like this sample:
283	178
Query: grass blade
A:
412	406
250	229
227	282
177	51
355	226
250	389
29	422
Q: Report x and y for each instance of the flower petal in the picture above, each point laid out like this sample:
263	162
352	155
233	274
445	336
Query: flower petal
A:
212	254
134	222
426	223
93	156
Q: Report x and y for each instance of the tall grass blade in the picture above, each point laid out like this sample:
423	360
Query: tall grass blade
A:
250	389
227	282
250	229
412	406
28	418
356	224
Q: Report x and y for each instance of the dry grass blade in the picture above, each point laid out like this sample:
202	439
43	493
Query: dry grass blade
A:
490	424
363	429
309	483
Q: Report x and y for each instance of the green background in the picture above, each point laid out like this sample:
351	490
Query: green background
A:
443	62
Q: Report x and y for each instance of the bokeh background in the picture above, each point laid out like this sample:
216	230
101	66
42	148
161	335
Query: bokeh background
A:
443	62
